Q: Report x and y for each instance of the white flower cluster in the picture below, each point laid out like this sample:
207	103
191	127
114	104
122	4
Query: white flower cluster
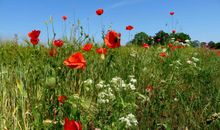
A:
129	120
102	84
193	61
106	96
119	83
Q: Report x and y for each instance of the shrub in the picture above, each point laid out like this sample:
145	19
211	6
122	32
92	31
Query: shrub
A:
162	37
140	38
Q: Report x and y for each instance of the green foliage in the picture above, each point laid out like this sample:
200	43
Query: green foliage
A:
181	37
162	37
185	88
140	38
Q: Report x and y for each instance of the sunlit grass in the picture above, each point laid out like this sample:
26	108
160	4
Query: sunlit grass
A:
184	94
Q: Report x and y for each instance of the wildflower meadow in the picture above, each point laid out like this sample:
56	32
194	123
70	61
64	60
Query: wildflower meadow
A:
72	82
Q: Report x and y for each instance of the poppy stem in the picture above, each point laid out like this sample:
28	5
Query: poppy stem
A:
48	38
172	20
129	36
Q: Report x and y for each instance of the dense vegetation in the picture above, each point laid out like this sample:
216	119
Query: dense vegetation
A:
128	88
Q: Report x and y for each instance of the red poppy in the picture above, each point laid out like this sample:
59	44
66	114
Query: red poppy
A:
170	45
87	47
112	39
173	31
129	27
64	18
72	125
62	98
76	61
58	43
172	13
163	54
149	88
145	45
53	52
99	11
101	51
158	40
34	41
33	35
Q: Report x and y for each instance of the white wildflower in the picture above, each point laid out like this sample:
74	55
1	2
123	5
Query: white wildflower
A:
175	99
133	80
106	96
100	84
189	61
88	82
129	120
131	76
164	50
116	80
131	86
195	59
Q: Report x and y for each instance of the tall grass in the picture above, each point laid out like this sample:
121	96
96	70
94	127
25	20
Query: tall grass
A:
184	94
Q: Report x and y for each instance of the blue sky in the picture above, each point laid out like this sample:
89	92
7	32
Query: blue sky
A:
198	18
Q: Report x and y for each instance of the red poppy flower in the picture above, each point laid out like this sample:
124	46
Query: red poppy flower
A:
172	13
170	45
58	43
53	52
149	88
64	18
173	31
87	47
34	41
62	98
163	54
33	35
76	61
129	27
101	51
145	45
72	125
99	11
112	39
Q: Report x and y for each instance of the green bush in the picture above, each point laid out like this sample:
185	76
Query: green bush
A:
140	38
162	37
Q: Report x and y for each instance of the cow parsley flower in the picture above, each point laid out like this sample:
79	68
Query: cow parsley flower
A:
129	120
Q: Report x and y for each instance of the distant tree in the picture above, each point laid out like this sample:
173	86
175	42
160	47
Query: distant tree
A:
211	44
161	37
203	44
181	37
195	43
217	45
140	38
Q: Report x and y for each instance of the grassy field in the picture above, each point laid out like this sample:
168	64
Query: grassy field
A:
131	88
